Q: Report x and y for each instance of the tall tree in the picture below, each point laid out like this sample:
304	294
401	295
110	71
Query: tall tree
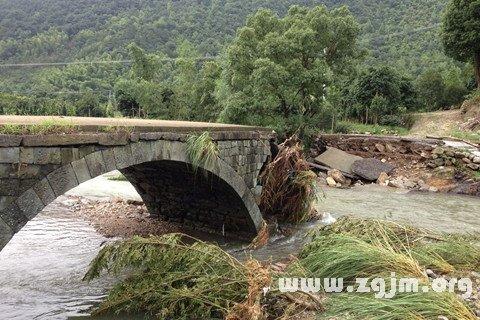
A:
461	32
280	70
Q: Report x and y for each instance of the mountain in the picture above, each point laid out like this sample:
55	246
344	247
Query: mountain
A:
403	33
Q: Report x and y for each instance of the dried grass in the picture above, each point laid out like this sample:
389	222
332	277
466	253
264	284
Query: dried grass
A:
289	186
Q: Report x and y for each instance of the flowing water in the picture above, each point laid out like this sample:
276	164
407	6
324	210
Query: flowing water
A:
42	266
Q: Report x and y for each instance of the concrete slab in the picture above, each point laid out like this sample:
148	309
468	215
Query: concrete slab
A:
337	159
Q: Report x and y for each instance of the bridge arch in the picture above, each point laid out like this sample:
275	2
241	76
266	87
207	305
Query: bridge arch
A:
158	170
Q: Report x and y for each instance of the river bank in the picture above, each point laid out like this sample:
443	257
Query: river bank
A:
42	267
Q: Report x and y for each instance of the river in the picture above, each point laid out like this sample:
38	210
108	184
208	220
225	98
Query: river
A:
41	268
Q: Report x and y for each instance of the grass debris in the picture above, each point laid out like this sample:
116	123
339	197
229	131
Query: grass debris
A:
411	306
289	186
178	277
201	150
348	257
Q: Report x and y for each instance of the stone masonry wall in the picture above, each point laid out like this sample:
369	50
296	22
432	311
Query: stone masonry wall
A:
35	170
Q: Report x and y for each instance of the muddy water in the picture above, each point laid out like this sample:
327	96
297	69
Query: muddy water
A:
41	268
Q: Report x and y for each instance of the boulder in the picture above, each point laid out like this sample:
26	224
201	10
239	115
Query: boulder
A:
338	176
331	182
370	169
383	179
380	147
476	160
337	159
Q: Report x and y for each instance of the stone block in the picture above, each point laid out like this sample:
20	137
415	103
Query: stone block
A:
142	152
157	149
9	187
10	140
44	191
13	217
6	234
178	151
69	155
81	170
119	138
96	164
8	170
62	180
123	157
40	155
30	204
85	150
59	139
9	155
6	201
109	159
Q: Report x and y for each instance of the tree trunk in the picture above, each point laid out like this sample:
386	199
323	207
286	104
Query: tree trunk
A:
477	68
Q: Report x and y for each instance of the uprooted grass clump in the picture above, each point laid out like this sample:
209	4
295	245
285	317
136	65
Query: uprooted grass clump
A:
411	306
289	186
201	150
367	248
178	277
442	253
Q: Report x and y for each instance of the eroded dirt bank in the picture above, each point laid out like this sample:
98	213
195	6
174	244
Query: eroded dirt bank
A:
420	164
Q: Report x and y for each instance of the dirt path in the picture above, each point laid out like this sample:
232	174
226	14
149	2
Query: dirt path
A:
440	123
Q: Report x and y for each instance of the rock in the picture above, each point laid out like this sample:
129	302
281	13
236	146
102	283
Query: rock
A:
389	147
473	166
439	162
380	147
442	318
338	176
425	155
433	189
438	151
431	274
383	179
476	160
370	169
466	160
449	153
403	150
331	182
396	183
409	184
337	159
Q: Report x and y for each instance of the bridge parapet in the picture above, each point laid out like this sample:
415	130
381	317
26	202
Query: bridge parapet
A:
36	169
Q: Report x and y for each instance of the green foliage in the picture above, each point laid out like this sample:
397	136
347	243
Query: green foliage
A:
202	151
278	70
379	94
171	277
418	306
461	32
49	126
360	128
369	248
436	93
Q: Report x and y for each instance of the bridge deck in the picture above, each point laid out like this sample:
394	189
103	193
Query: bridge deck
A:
144	125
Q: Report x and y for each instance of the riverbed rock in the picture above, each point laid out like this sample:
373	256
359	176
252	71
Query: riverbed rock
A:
380	147
331	182
338	176
383	179
438	151
476	160
370	169
473	166
466	160
337	159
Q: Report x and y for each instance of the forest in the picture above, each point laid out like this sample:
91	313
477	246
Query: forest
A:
182	63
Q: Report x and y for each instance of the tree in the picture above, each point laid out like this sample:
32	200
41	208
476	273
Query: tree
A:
379	93
279	71
461	32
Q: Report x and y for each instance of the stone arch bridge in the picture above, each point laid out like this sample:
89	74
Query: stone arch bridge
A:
36	169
